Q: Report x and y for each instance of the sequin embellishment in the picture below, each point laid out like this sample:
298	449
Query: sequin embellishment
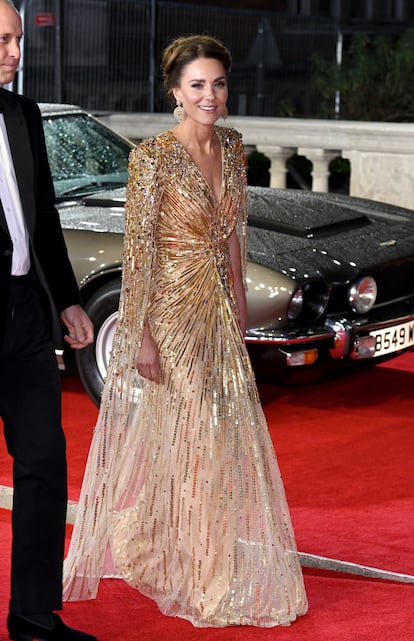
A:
182	494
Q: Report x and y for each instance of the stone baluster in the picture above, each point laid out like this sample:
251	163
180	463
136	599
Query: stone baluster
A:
278	157
320	159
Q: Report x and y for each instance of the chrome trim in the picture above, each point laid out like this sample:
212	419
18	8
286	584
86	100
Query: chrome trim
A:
99	275
291	337
334	329
390	322
342	329
296	304
392	302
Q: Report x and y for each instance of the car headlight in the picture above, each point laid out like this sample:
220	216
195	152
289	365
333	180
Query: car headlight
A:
296	304
363	294
316	297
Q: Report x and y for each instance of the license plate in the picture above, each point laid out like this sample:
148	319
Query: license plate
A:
392	339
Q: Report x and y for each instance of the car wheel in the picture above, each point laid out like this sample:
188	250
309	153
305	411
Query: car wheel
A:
92	361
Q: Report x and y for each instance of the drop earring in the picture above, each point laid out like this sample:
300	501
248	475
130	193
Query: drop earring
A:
179	112
225	113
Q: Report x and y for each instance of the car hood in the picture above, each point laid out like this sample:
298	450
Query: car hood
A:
301	234
310	235
101	212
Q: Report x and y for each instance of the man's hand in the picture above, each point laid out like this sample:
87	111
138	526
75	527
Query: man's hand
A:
79	326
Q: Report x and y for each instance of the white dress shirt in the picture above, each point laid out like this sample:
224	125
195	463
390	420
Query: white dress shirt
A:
10	199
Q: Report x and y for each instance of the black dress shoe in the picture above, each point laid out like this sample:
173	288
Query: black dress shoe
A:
23	630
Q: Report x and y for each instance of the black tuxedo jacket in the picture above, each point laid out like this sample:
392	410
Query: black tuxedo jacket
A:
48	253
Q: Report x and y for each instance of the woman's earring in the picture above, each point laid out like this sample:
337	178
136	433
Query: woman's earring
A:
225	113
179	111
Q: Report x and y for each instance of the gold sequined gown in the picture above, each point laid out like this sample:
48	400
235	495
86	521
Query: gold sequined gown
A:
182	494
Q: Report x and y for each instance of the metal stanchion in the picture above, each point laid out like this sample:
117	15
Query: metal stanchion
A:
335	565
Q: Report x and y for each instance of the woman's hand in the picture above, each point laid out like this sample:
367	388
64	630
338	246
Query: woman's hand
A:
148	362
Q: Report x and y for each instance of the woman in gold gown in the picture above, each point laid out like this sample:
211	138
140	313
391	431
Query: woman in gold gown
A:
182	494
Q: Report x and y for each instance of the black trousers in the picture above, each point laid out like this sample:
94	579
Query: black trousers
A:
30	406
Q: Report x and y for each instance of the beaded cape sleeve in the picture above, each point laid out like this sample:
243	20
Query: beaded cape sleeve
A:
111	466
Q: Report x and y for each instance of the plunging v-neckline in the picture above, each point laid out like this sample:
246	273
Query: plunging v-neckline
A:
216	199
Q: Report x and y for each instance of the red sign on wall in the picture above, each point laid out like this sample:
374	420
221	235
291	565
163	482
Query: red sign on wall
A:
45	19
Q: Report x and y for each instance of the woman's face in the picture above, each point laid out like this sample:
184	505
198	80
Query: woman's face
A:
203	90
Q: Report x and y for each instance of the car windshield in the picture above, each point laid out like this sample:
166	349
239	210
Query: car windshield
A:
84	155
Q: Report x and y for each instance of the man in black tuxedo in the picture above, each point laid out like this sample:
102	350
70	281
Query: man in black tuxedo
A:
37	285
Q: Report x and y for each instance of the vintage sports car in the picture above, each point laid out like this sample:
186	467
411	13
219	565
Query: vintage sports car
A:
330	278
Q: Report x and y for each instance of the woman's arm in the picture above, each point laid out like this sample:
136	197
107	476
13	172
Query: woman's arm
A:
142	206
239	289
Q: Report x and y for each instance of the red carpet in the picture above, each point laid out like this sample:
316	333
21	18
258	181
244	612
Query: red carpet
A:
346	451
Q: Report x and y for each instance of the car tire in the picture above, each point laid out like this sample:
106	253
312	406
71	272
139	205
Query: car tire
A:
92	361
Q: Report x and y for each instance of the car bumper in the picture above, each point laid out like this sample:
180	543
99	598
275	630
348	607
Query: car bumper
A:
340	339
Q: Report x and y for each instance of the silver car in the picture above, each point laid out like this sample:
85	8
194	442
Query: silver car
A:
330	278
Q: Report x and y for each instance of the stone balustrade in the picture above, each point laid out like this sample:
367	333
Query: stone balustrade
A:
381	155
